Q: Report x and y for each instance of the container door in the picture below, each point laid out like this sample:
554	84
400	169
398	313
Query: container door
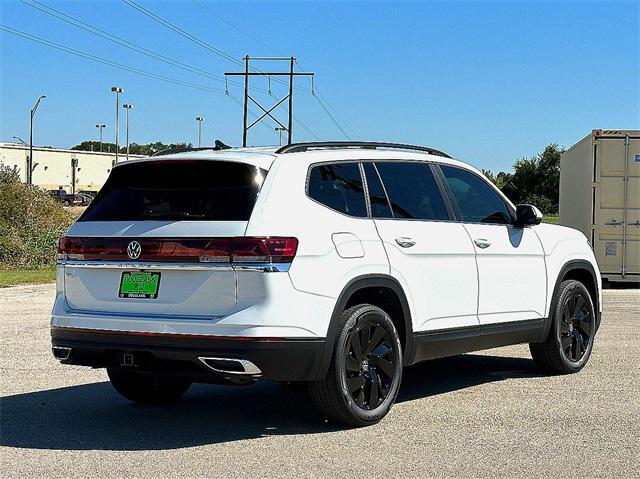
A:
617	205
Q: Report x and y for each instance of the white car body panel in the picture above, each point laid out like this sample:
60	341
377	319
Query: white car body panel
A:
561	246
511	273
439	271
284	209
447	280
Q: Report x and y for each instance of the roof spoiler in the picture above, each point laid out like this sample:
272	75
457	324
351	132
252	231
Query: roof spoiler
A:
218	145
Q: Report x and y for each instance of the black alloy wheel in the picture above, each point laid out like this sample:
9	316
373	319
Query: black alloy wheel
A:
569	342
370	364
575	326
365	370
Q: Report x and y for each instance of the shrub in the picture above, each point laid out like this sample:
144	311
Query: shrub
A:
30	223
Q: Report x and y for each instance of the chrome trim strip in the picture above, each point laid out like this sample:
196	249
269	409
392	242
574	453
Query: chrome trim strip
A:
260	267
247	366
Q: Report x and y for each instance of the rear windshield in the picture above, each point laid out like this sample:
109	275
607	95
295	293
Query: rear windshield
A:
169	190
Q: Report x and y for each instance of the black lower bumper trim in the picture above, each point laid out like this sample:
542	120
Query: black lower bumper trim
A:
279	360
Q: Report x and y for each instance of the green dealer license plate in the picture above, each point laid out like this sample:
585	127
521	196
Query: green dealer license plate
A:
139	285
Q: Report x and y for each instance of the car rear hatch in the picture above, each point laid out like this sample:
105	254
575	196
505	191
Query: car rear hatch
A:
161	239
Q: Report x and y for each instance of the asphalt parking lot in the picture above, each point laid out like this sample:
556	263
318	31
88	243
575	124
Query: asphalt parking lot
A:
488	414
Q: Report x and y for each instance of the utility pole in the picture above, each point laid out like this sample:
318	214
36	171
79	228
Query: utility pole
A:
127	107
279	129
267	112
101	126
117	90
199	119
30	160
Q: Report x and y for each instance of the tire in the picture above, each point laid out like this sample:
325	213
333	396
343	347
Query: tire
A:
365	372
145	389
569	343
66	203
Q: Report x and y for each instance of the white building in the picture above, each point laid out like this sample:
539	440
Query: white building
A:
72	170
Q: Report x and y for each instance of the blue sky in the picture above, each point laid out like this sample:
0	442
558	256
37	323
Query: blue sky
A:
487	82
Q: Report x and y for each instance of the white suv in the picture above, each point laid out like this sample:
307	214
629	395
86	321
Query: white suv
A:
333	264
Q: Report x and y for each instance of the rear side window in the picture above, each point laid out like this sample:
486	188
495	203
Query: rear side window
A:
338	186
412	190
178	190
478	202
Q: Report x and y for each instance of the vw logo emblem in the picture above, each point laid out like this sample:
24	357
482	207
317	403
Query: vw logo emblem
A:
134	250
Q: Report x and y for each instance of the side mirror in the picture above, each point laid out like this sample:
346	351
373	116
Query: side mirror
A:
528	215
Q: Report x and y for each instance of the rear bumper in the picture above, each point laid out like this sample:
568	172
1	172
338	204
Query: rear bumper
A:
179	354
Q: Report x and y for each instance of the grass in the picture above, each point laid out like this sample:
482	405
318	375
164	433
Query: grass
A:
551	219
13	277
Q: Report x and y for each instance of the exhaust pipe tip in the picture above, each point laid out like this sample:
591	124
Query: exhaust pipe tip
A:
231	366
61	353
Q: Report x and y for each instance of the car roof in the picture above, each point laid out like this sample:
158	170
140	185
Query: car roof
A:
263	157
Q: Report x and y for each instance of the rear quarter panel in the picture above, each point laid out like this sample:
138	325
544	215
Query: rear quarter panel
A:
283	209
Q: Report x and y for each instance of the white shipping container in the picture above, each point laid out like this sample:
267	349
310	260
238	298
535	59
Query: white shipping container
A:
600	196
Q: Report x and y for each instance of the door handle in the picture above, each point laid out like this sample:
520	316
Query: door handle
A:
482	243
405	242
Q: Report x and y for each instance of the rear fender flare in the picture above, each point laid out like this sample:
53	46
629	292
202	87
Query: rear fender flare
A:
360	282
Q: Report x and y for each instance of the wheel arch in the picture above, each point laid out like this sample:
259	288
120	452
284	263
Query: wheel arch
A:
583	271
363	289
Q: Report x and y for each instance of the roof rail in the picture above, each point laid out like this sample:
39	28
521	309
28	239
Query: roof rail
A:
371	145
170	151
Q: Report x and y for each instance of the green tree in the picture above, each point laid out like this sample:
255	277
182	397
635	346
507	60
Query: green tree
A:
537	179
534	180
95	146
500	179
134	148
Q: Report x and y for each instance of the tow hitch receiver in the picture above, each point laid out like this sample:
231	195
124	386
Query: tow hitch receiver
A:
127	360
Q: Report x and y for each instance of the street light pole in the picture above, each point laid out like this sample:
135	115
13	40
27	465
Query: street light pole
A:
199	119
117	90
127	107
101	126
30	161
22	142
279	129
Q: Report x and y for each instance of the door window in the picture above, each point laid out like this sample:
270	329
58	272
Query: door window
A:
412	190
380	207
477	200
338	186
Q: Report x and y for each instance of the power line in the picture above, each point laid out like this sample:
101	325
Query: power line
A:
322	105
105	61
306	128
248	35
118	40
223	54
189	36
182	32
321	101
346	124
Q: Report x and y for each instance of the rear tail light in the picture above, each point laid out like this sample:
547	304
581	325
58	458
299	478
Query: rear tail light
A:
270	250
180	250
